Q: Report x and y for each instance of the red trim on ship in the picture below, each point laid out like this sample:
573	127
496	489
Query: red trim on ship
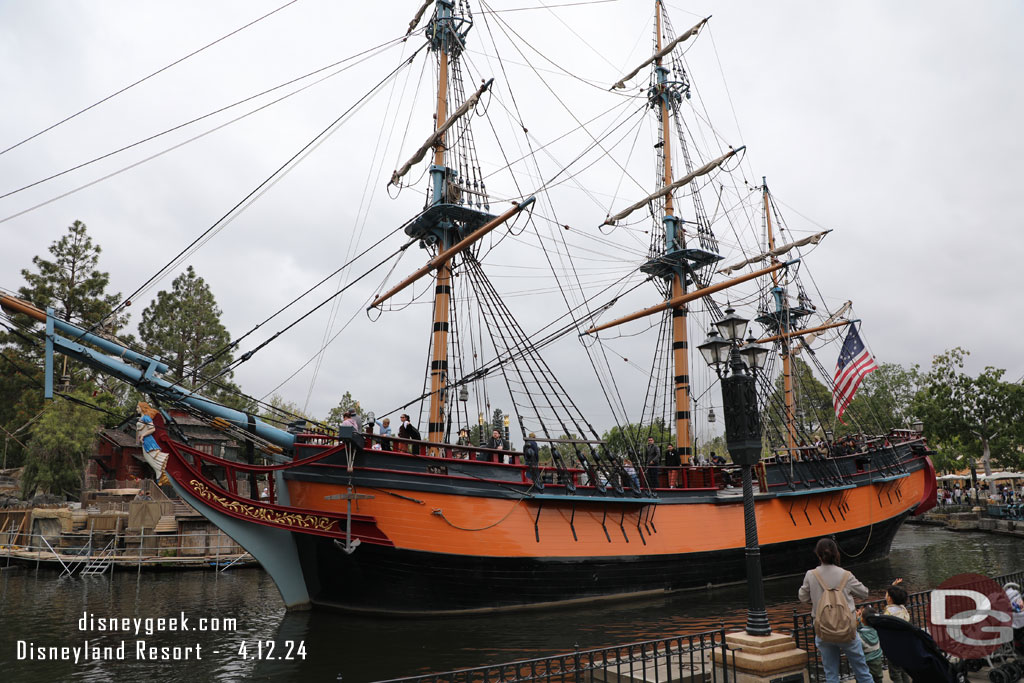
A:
928	498
227	501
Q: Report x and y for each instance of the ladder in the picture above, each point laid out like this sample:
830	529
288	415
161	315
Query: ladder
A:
100	563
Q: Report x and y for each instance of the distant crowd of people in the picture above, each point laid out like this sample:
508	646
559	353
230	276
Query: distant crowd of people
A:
851	444
983	493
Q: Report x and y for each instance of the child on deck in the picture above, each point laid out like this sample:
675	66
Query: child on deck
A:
895	606
869	639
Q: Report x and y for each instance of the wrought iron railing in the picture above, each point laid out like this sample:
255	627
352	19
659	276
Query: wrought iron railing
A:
917	605
680	658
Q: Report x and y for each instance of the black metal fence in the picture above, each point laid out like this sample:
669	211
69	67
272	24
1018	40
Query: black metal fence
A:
680	658
695	657
917	605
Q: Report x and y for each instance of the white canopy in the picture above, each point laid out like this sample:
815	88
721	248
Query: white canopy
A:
953	477
1001	475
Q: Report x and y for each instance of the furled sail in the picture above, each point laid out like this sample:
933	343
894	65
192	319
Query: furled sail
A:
419	15
703	170
661	53
777	251
809	339
437	135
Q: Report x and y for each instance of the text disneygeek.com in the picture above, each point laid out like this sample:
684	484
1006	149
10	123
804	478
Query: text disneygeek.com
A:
141	650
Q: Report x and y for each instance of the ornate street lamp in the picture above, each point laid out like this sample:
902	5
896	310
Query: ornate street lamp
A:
715	350
754	355
735	369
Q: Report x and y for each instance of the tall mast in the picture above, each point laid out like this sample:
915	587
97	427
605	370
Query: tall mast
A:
457	204
443	284
783	330
672	261
680	351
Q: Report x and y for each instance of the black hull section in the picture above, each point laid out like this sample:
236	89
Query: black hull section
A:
386	580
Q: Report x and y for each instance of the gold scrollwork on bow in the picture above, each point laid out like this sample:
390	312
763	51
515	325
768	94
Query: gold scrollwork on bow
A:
292	519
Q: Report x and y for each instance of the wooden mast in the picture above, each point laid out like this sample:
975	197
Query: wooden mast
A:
787	369
680	351
443	285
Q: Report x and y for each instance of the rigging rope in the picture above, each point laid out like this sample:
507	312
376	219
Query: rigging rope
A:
146	78
275	175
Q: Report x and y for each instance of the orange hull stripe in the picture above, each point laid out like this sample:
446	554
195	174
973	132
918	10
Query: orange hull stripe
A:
466	525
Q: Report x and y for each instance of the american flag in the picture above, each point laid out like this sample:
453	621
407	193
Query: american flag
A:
853	365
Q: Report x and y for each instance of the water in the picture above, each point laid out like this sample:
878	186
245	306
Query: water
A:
38	607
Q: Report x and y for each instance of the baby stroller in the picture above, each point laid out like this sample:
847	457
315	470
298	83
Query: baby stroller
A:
914	651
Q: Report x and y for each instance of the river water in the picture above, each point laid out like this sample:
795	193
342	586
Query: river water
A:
40	610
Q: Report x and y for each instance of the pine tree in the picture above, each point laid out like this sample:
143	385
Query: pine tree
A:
183	327
72	284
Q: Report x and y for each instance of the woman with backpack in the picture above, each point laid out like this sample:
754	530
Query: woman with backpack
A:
831	589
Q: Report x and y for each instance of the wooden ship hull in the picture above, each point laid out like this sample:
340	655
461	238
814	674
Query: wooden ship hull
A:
377	531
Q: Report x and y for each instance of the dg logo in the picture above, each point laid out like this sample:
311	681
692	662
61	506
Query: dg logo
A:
970	616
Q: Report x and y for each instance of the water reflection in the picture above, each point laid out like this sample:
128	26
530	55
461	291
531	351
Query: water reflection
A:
45	610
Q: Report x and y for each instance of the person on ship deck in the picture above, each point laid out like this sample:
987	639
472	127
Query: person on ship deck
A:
463	440
672	463
531	453
652	460
497	442
408	431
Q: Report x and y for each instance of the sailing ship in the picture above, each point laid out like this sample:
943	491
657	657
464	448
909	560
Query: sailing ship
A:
358	520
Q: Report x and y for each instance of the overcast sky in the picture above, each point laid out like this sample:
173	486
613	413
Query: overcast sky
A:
895	124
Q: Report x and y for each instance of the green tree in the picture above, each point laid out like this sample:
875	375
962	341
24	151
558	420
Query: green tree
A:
346	403
61	441
983	415
885	400
812	405
715	445
478	434
631	439
568	450
21	401
279	411
71	283
183	327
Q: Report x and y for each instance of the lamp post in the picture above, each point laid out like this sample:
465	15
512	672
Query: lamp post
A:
735	363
